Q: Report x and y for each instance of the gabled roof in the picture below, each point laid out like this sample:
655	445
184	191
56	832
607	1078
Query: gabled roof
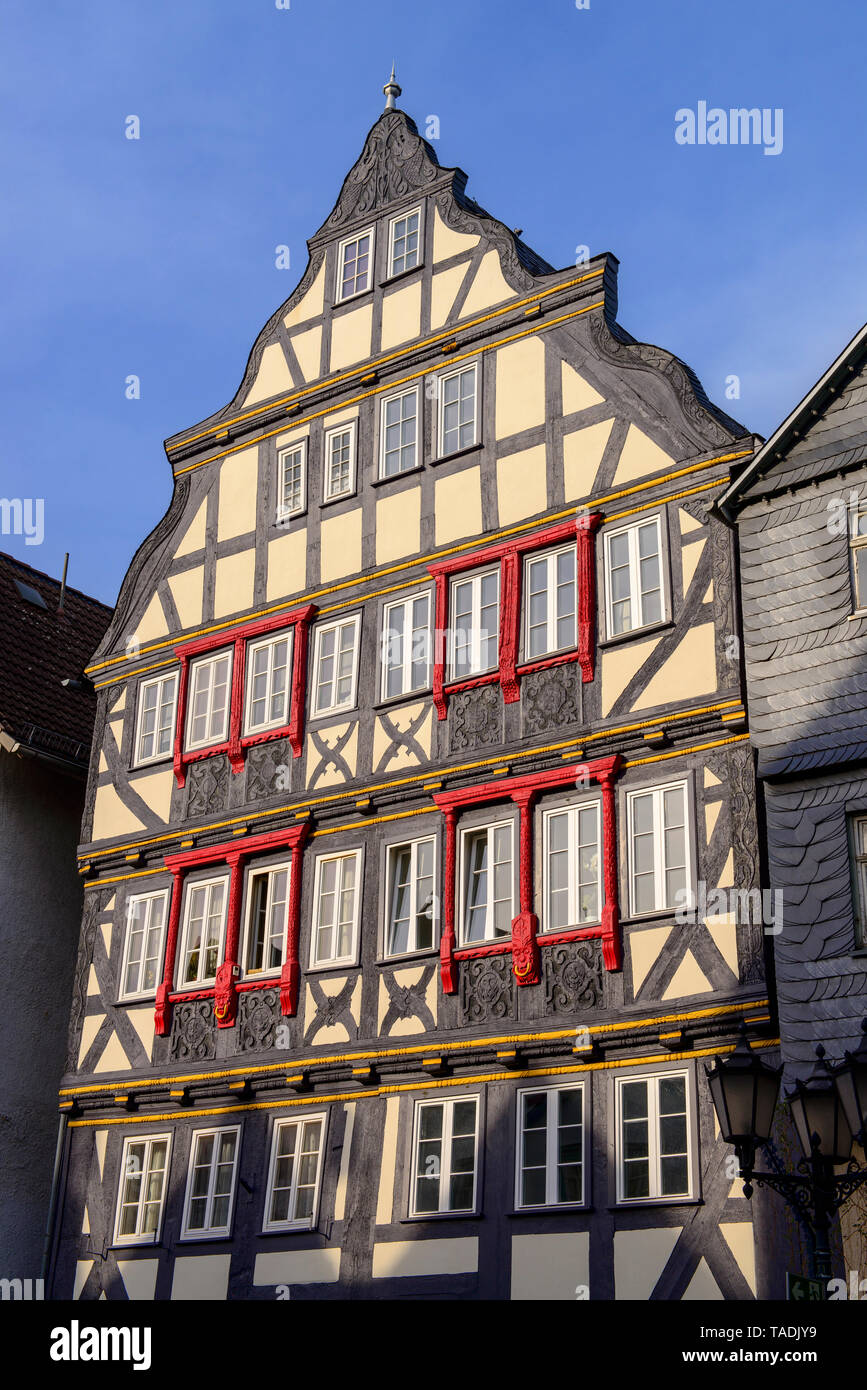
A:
40	647
851	360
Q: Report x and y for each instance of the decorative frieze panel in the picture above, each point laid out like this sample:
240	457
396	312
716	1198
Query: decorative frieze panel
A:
259	1018
487	990
476	719
331	1008
549	699
268	769
208	784
194	1036
408	1000
573	977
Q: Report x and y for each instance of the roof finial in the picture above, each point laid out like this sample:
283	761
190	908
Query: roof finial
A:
390	91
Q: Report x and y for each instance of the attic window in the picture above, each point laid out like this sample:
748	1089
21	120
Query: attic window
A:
354	265
29	594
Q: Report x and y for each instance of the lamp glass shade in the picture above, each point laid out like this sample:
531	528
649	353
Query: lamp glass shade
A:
744	1092
818	1110
851	1079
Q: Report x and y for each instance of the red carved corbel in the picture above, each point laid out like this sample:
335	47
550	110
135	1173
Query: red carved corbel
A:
586	576
236	705
440	621
510	609
525	948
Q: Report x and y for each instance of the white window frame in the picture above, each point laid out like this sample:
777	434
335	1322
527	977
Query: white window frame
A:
253	872
390	852
474	578
305	1223
655	1193
659	863
339	296
287	635
149	897
489	828
210	740
349	427
406	662
383	405
138	759
349	703
859	877
636	599
352	956
551	620
150	1237
201	981
441	404
392	231
210	1232
551	1152
572	812
299	450
445	1174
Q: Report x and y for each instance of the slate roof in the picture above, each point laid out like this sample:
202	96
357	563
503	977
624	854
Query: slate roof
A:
40	647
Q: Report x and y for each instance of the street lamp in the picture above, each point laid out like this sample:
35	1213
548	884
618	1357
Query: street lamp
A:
828	1108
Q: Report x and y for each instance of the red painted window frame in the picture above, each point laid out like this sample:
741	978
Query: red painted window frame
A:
524	945
237	742
510	555
224	992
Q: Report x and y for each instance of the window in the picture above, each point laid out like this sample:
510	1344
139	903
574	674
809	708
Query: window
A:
292	467
156	718
294	1173
406	646
211	1183
267	906
457	410
335	664
487	883
549	582
143	948
858	548
550	1147
143	1169
410	880
398	434
340	461
337	895
858	828
404	242
204	922
208	717
475	624
354	258
573	866
653	1135
633	577
659	860
269	666
445	1155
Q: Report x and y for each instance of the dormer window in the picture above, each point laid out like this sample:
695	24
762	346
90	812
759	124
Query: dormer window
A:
404	242
354	259
858	544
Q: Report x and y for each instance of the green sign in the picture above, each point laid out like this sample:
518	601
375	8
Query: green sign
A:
799	1287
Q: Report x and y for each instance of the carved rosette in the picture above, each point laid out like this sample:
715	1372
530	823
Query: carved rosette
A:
487	989
549	699
475	718
258	1019
573	976
208	783
268	769
193	1031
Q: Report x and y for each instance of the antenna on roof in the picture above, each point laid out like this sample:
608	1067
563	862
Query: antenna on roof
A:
63	583
390	91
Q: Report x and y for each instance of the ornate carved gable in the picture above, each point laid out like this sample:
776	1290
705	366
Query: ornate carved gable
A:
395	163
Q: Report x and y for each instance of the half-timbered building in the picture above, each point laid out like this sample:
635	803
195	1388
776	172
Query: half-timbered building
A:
420	727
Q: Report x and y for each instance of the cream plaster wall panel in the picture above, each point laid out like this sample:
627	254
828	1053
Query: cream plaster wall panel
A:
272	378
339	417
332	775
550	1267
308	349
92	983
200	1277
723	929
90	1026
100	1139
689	558
194	536
458	505
401	316
522	484
688	978
405	979
152	622
82	1271
233	590
739	1237
398	525
488	288
297	1267
187	590
311	304
139	1278
702	1286
404	1258
350	337
120	703
578	394
155	788
582	455
520	390
331	987
447	242
142	1020
690	670
444	287
385	1195
688	523
103	762
239	476
640	456
644	948
639	1259
727	873
707	596
401	719
619	665
113	1057
85	1223
711	779
343	1175
105	929
111	817
340	545
287	565
291	436
711	816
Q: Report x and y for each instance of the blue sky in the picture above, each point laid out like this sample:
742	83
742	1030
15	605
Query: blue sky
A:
156	257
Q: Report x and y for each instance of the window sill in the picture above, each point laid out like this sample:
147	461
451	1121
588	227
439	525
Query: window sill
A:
284	522
396	477
572	1208
324	716
352	298
204	1237
395	701
634	633
440	1216
401	275
857	615
458	453
325	965
428	952
341	497
147	763
643	1203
